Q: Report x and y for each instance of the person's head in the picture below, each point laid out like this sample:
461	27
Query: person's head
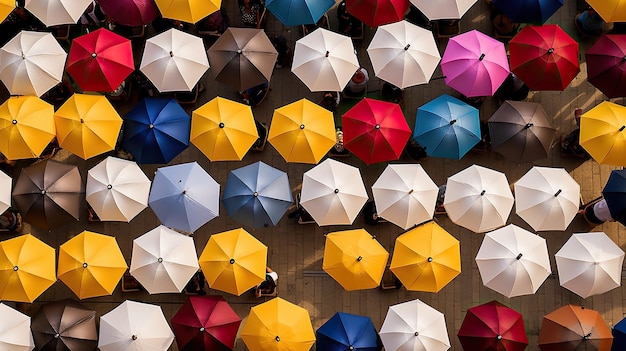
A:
358	77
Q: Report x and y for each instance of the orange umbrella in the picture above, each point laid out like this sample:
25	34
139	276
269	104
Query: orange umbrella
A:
574	328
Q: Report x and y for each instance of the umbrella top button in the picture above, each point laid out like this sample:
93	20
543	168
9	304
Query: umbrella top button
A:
221	124
171	53
351	347
160	259
417	333
336	191
43	192
16	268
550	50
498	337
277	338
85	265
430	259
14	121
407	47
482	56
528	125
201	329
239	51
302	126
232	261
453	121
256	194
483	192
151	126
360	258
93	55
377	126
622	128
109	186
57	335
134	337
519	256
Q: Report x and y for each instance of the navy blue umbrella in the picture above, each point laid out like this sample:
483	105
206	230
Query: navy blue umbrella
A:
345	331
614	193
529	11
619	336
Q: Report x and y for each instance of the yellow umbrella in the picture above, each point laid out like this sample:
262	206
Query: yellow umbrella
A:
610	10
26	268
603	133
26	127
302	132
278	325
87	125
190	11
6	7
224	130
426	258
355	259
233	261
91	264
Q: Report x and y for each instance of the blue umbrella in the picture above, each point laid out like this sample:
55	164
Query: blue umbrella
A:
619	336
529	11
297	12
447	127
156	130
345	331
184	196
257	195
614	193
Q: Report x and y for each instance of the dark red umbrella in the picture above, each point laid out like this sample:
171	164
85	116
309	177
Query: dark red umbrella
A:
205	323
544	57
606	65
378	12
493	326
130	12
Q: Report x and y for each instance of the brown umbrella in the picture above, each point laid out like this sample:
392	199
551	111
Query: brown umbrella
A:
571	328
65	325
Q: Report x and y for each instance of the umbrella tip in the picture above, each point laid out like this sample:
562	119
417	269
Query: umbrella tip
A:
93	55
498	337
302	126
417	333
171	53
232	261
277	338
452	121
134	337
519	256
411	191
85	265
151	126
202	329
110	186
557	193
482	56
256	194
57	335
377	126
239	51
221	124
587	337
622	128
550	50
16	268
528	125
160	259
14	121
483	192
360	258
430	259
407	47
327	53
336	191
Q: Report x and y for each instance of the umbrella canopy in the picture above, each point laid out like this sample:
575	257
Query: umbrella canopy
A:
513	261
619	335
243	58
135	326
544	57
15	331
302	131
493	326
610	10
529	11
570	328
447	127
375	130
233	261
26	268
174	60
184	196
205	323
48	194
478	199
130	12
589	264
297	12
223	129
345	331
190	11
444	9
414	325
602	133
56	12
280	325
324	60
65	325
163	261
606	66
6	183
378	12
614	193
117	189
91	264
426	258
26	127
156	130
6	7
547	198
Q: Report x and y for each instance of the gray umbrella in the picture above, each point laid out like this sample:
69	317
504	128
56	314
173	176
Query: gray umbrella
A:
65	325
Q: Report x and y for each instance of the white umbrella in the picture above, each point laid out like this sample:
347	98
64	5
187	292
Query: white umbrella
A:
414	326
324	60
513	261
31	63
547	198
443	9
15	334
589	264
333	193
117	189
134	326
6	183
478	199
163	261
405	195
174	60
403	54
55	12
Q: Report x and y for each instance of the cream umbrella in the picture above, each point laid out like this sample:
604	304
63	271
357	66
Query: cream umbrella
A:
56	12
15	334
443	9
6	183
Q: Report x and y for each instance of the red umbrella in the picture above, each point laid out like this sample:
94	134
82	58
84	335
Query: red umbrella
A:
606	65
571	328
493	326
378	12
205	323
544	57
375	131
130	12
100	60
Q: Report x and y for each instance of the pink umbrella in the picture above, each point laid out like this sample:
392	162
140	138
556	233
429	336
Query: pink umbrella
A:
474	64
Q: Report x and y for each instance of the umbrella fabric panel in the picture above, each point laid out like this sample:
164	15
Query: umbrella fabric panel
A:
15	331
298	12
190	11
347	331
443	9
529	11
130	12
606	68
26	127
56	12
611	10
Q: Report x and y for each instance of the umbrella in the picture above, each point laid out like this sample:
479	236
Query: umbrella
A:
602	133
333	193
478	199
297	12
426	258
135	326
278	325
544	57
130	12
15	331
100	60
614	193
345	331
378	12
414	325
619	335
547	198
174	60
610	10
26	127
163	261
190	11
6	183
56	12
206	323
156	130
513	261
447	127
606	66
117	189
6	7
589	264
184	196
521	131
65	325
233	261
493	326
31	63
375	130
87	125
48	194
26	268
302	131
223	129
570	328
475	64
403	54
91	264
529	11
443	9
324	60
243	58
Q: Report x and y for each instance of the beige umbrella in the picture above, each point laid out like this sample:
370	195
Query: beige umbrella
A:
56	12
